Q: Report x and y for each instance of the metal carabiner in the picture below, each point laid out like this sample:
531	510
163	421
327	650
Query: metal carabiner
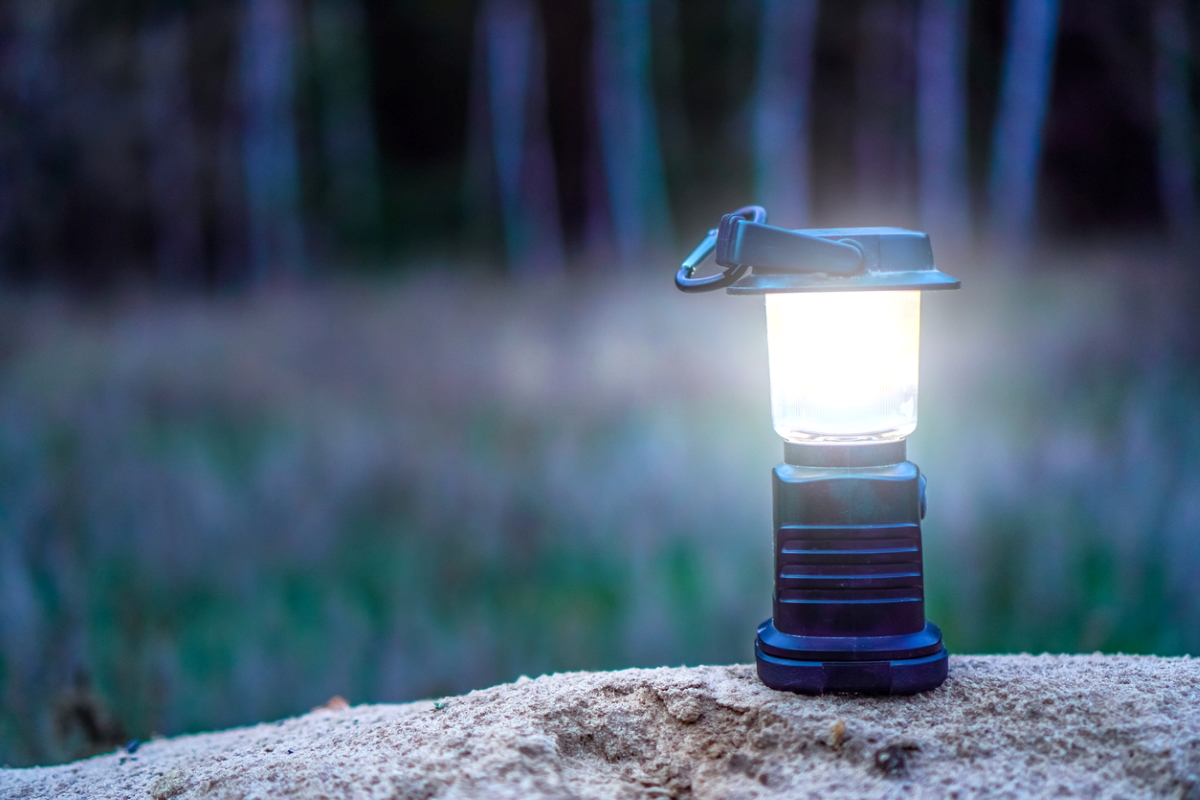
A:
683	278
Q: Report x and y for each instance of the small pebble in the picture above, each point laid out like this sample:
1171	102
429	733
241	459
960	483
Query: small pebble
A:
837	734
892	760
133	746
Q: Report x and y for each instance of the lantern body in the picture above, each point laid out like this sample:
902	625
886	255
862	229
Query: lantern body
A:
844	365
843	329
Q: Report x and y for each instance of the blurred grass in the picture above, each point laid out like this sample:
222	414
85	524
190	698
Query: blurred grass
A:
227	510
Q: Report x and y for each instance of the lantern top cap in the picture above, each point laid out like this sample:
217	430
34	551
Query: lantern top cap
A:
890	259
762	259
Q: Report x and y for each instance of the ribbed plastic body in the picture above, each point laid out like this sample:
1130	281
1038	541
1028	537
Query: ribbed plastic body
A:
849	605
848	551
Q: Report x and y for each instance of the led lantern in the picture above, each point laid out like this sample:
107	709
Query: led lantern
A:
843	337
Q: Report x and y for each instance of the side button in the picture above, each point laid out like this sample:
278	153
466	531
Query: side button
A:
921	491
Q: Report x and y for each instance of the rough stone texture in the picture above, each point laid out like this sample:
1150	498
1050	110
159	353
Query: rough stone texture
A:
1045	726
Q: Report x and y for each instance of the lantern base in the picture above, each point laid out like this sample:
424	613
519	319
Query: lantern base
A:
868	665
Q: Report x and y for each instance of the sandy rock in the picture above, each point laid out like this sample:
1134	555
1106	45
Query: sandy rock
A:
1045	726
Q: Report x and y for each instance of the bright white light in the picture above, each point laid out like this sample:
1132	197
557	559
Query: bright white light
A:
844	364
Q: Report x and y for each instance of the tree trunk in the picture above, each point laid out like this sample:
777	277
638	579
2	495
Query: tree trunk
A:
883	151
633	168
781	109
520	135
270	160
352	203
31	76
1176	131
172	163
942	121
1017	142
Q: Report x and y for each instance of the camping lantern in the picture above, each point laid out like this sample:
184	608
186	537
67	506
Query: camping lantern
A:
843	334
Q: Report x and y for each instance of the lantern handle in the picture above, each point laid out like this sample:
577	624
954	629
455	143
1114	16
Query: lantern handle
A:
731	273
744	239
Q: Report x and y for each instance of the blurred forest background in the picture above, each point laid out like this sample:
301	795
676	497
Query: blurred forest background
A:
339	352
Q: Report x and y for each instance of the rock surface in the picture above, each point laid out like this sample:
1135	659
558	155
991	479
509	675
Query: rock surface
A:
1045	726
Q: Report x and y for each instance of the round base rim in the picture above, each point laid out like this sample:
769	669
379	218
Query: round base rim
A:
895	677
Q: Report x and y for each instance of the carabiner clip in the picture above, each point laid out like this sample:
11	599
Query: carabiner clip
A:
683	278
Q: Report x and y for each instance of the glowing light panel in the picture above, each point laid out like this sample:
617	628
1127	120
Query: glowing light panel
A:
844	365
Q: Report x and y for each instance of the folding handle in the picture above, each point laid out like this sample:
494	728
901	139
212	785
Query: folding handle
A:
744	239
772	249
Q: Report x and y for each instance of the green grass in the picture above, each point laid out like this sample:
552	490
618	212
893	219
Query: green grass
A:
223	511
